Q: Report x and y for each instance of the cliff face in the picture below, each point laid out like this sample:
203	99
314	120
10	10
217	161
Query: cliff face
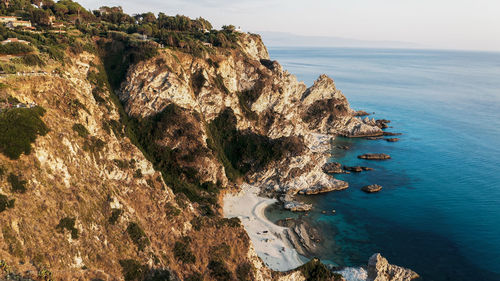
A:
265	100
89	204
86	204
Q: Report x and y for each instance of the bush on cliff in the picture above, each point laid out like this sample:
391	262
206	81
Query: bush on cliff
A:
5	203
19	127
138	236
247	151
315	270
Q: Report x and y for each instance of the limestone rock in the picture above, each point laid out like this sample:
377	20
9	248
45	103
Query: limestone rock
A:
372	188
374	156
379	269
333	168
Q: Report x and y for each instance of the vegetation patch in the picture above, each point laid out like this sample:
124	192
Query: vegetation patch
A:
19	128
115	215
81	130
132	270
171	210
5	203
94	145
182	252
15	48
315	270
244	272
247	151
68	223
138	174
14	245
17	185
138	236
219	271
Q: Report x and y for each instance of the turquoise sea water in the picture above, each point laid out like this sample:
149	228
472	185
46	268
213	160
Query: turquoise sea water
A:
439	211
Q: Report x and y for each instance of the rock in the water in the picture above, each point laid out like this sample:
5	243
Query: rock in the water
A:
361	113
295	206
372	188
357	169
337	185
382	123
333	168
374	156
379	269
344	147
392	140
373	138
391	134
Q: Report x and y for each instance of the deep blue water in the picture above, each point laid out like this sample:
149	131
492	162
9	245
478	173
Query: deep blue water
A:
439	210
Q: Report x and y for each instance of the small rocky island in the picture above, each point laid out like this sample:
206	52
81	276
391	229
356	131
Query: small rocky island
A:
374	156
372	188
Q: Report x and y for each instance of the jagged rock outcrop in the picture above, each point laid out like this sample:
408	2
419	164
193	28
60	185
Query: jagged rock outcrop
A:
379	269
265	99
373	188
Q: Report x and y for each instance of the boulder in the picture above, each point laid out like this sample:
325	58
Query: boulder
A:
295	206
374	156
357	169
371	188
392	139
391	134
379	269
361	113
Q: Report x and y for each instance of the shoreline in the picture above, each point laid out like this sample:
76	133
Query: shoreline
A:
268	239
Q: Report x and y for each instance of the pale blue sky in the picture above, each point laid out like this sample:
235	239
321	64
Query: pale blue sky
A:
442	24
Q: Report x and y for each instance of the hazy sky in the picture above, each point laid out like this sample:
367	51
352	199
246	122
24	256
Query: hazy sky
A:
443	24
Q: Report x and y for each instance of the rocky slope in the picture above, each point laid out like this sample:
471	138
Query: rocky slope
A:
86	204
265	100
112	193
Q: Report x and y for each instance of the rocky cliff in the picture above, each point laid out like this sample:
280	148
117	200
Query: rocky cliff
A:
264	102
80	201
105	192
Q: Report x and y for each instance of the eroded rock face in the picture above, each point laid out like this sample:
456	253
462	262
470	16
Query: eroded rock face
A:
265	99
379	269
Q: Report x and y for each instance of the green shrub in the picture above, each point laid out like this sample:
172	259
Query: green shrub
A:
132	270
315	270
32	60
182	251
219	271
138	174
242	152
81	130
19	127
221	252
115	215
5	203
68	223
14	245
93	145
17	185
138	236
15	48
244	272
122	164
171	210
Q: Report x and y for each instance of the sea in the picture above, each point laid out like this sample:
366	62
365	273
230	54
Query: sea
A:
439	210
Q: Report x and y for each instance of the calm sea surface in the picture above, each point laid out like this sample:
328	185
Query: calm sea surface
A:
439	211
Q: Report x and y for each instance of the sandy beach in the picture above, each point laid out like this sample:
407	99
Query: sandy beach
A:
268	239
